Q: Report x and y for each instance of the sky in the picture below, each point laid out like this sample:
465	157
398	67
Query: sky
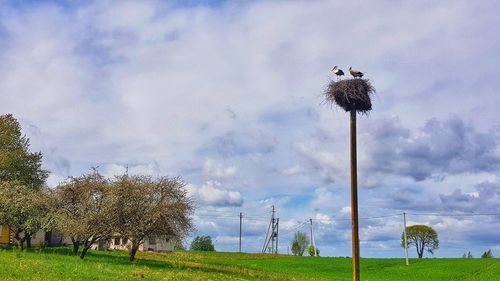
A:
229	96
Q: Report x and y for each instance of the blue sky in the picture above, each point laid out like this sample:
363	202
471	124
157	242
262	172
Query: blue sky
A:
228	95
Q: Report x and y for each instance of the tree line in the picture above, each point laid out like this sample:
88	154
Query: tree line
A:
486	255
88	208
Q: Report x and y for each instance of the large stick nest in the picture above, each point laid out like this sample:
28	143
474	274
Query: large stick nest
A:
351	94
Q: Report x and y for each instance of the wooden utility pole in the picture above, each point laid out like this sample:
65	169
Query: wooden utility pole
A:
241	217
354	200
406	244
352	95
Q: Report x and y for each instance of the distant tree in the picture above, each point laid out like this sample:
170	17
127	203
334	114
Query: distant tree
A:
299	243
311	251
202	243
146	207
469	255
295	248
82	210
464	256
24	210
17	163
487	255
179	245
422	237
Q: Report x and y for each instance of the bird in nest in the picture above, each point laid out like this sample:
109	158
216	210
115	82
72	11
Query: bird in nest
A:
355	73
337	71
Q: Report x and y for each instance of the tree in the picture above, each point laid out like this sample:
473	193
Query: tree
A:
464	256
202	243
82	210
487	255
469	255
24	210
17	163
311	251
422	237
143	207
179	245
299	243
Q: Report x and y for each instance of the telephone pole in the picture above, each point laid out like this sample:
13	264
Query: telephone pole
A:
354	199
277	234
312	238
273	237
404	234
352	95
241	217
273	231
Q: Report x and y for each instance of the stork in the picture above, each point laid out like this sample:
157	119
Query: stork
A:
337	71
355	73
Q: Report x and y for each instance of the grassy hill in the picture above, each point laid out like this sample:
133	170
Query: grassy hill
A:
58	264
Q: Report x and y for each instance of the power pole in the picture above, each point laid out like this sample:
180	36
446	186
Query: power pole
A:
273	231
241	217
312	238
354	199
273	228
266	242
277	234
406	245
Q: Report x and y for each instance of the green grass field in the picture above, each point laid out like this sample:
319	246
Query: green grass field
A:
57	264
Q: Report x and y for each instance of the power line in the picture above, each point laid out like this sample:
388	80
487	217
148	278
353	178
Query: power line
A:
332	219
299	226
232	212
452	215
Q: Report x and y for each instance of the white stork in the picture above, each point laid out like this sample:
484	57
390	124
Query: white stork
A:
355	73
337	71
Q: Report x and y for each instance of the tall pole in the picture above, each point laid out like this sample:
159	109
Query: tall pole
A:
406	245
312	238
354	200
272	232
277	234
241	217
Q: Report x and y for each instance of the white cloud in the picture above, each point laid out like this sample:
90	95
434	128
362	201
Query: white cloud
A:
294	170
112	170
321	162
323	218
213	194
217	171
345	211
53	180
326	198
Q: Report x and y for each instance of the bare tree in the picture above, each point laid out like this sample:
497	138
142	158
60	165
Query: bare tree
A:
82	210
145	207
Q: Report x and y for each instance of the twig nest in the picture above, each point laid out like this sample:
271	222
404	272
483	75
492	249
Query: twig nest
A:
351	94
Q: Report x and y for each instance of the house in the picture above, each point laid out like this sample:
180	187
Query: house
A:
40	238
51	238
154	244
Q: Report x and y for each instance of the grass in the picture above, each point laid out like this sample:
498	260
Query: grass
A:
59	264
